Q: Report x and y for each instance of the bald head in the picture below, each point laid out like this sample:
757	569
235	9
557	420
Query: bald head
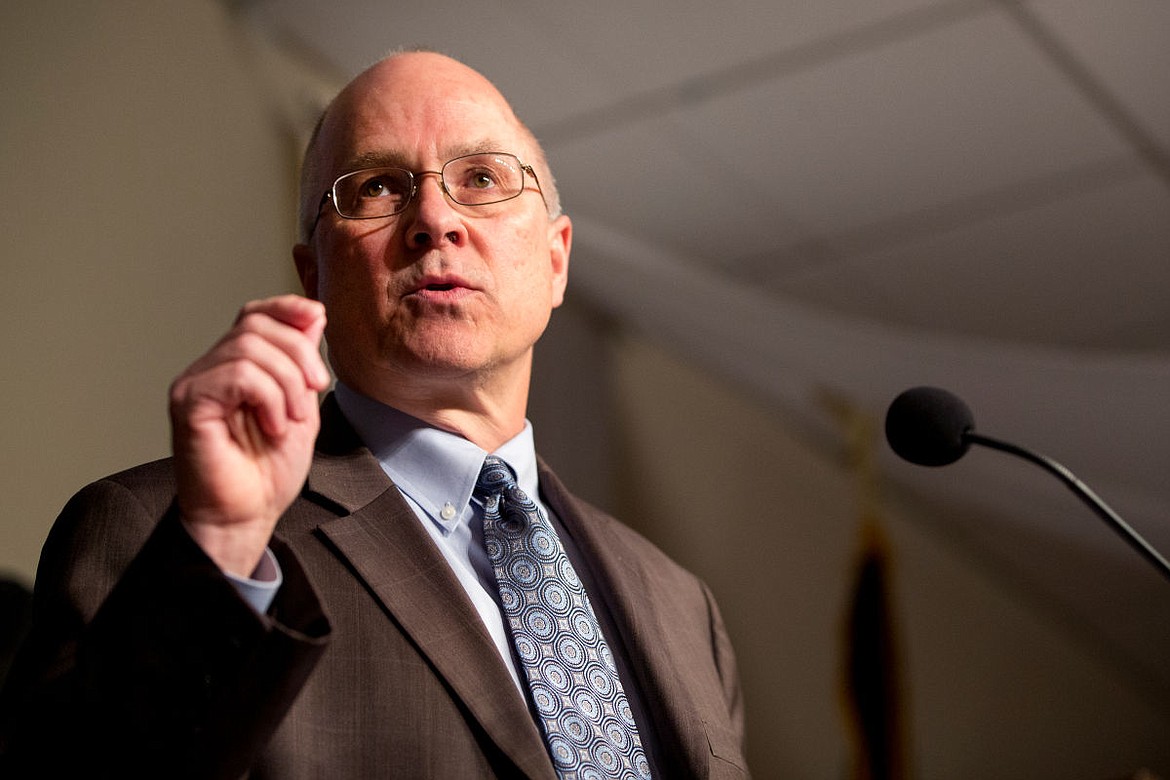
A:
433	89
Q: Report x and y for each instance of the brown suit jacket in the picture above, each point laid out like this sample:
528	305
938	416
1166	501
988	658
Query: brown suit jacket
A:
372	662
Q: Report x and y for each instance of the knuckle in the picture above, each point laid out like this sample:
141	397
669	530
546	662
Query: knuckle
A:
177	393
249	341
247	320
237	371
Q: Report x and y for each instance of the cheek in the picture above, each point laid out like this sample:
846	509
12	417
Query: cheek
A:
526	262
353	287
355	266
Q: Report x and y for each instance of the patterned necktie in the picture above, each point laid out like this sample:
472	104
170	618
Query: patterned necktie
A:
583	711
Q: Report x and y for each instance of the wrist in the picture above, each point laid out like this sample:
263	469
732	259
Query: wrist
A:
236	548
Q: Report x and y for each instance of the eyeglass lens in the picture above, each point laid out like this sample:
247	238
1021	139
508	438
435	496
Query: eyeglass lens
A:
473	180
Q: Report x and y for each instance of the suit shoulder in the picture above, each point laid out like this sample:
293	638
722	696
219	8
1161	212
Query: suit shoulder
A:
630	538
620	540
147	489
109	519
146	480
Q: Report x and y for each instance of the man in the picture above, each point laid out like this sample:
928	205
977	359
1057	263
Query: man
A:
306	592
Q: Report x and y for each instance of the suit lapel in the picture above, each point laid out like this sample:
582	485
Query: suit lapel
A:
624	583
381	539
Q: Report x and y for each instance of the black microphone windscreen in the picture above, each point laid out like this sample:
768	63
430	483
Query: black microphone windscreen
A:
926	425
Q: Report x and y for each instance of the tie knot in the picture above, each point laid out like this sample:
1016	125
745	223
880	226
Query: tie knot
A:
495	477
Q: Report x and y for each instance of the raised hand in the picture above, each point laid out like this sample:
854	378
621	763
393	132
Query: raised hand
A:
243	421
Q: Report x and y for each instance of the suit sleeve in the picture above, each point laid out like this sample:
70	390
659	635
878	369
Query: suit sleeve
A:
724	656
143	660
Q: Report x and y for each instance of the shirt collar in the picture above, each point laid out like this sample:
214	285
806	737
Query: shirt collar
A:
431	466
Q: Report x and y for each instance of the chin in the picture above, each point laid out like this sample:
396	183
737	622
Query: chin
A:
437	358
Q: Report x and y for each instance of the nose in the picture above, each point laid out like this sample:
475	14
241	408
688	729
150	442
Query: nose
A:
431	219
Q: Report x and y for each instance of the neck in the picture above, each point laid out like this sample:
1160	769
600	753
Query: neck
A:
485	411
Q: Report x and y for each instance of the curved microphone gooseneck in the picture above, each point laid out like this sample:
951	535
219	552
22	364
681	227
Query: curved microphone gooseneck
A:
929	426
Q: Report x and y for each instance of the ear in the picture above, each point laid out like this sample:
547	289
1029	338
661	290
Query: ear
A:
560	241
306	262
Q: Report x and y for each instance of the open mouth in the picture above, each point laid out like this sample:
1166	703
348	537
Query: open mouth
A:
441	287
442	290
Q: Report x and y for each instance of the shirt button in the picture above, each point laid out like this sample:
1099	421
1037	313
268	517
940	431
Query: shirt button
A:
447	512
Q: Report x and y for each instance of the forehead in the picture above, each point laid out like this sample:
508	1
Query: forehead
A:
418	119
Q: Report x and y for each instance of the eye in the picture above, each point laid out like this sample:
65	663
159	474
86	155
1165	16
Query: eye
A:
482	179
374	192
376	187
479	179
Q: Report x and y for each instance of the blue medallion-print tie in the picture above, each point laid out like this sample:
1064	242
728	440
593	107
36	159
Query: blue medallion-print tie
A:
583	711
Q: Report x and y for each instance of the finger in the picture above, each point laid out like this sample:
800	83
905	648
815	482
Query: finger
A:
275	350
226	394
293	310
301	342
269	319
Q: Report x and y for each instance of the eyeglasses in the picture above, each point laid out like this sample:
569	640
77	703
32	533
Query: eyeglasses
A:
470	180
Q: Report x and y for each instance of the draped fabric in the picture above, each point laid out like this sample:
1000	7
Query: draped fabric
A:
1104	415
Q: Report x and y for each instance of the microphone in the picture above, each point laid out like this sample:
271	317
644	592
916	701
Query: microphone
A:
929	426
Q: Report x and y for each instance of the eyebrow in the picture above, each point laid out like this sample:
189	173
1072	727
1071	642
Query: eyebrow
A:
392	159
